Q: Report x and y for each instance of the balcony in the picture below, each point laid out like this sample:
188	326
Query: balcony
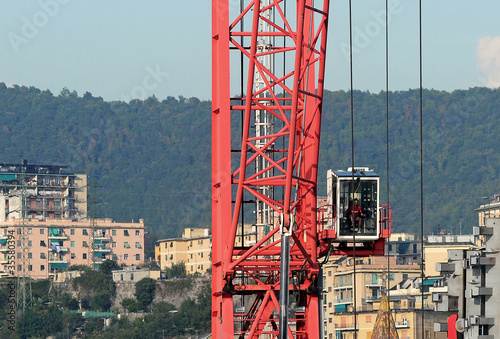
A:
102	248
54	233
99	235
57	259
404	323
58	249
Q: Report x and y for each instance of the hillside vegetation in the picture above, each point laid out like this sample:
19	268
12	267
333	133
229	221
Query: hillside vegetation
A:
151	159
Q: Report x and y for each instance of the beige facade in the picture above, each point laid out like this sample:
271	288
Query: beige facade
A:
489	210
134	275
340	285
54	245
193	249
406	308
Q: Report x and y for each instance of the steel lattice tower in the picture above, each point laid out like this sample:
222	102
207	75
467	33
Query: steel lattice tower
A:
24	294
248	166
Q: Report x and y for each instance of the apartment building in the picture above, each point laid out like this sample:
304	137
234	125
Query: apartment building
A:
341	285
54	245
489	210
49	191
45	227
194	249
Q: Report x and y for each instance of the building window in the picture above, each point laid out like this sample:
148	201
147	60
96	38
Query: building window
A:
138	257
85	232
30	255
20	267
85	244
19	243
72	231
171	257
38	202
42	267
125	233
42	256
113	232
202	255
30	267
73	255
171	244
191	255
138	233
19	255
374	278
114	244
30	230
30	243
42	231
166	257
121	277
131	276
84	255
72	244
57	203
405	276
125	256
137	245
115	257
126	244
391	277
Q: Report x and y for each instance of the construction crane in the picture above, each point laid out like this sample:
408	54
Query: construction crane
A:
267	230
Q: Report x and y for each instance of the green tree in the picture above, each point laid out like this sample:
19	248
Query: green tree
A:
177	270
131	305
108	266
145	291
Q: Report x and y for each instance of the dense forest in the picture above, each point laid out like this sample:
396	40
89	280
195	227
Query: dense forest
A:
151	159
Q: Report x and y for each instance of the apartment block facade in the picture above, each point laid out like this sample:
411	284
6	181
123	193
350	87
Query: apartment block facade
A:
54	245
45	228
194	249
346	288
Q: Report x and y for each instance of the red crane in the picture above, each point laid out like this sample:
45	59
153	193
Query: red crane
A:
265	144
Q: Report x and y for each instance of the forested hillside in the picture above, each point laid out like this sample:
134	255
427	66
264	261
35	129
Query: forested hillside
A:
151	159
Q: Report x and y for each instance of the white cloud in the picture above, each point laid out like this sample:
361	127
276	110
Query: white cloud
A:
488	56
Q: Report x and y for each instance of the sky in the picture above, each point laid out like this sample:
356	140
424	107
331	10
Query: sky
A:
123	49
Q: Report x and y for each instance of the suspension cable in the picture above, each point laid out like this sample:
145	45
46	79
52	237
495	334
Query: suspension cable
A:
422	276
352	172
388	282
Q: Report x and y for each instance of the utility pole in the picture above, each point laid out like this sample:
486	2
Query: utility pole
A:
93	221
24	295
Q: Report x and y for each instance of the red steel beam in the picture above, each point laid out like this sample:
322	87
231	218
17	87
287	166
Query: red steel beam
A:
299	40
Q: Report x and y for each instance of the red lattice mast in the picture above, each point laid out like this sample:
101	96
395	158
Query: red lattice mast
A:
265	146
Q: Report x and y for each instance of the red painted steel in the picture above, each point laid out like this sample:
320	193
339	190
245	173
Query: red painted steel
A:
293	97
